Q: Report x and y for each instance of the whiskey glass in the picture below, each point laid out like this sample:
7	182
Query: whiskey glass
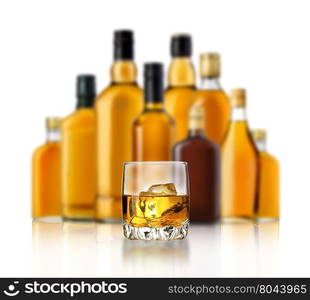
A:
155	199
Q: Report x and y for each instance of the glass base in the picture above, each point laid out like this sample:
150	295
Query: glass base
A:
160	233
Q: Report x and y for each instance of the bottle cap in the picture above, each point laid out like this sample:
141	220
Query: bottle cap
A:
259	134
53	122
123	45
181	45
197	111
196	117
210	65
153	82
238	97
85	90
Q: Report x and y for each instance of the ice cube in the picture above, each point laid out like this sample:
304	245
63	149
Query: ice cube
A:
160	189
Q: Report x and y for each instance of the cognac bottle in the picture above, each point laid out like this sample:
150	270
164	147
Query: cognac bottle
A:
203	158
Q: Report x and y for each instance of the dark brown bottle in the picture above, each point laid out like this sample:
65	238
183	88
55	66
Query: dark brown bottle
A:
203	157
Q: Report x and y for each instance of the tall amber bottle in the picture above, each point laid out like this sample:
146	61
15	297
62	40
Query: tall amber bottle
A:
154	130
78	155
116	107
46	199
179	95
212	98
239	164
268	206
203	158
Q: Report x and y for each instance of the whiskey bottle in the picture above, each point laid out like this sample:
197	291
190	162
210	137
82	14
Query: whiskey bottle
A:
78	155
212	98
268	194
116	107
179	95
46	198
203	158
239	163
154	130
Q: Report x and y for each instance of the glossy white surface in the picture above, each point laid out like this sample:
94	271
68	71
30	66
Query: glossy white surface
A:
90	249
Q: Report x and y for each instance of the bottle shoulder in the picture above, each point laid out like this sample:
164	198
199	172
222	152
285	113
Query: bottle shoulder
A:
198	141
239	137
81	117
120	92
203	96
46	149
269	158
154	116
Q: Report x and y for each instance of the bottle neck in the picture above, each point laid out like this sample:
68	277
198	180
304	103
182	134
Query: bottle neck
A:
123	71
238	114
196	126
261	145
53	135
181	73
211	83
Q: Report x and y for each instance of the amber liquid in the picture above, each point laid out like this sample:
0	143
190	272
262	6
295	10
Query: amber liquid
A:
116	108
153	134
268	200
79	165
217	112
239	173
155	211
203	158
46	197
179	95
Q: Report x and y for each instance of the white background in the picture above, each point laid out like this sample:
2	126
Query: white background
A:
265	48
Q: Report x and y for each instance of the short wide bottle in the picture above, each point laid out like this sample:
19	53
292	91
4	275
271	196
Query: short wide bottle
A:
154	130
203	158
46	198
79	155
268	205
239	171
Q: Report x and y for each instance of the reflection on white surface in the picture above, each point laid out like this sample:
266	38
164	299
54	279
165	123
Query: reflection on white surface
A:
238	250
155	258
46	248
90	249
268	257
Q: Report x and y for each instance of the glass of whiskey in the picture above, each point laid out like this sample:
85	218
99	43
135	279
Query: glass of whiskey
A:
155	198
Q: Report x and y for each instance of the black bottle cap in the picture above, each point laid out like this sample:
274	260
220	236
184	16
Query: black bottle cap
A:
181	45
153	82
85	90
123	45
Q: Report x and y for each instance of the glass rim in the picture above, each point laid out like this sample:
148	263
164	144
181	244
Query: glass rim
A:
170	162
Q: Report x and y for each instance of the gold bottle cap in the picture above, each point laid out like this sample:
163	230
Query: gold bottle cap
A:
196	117
53	122
210	65
238	97
259	134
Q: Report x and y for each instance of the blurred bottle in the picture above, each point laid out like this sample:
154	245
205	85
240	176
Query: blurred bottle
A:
268	194
212	98
239	164
203	157
79	155
179	95
46	199
154	130
116	108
